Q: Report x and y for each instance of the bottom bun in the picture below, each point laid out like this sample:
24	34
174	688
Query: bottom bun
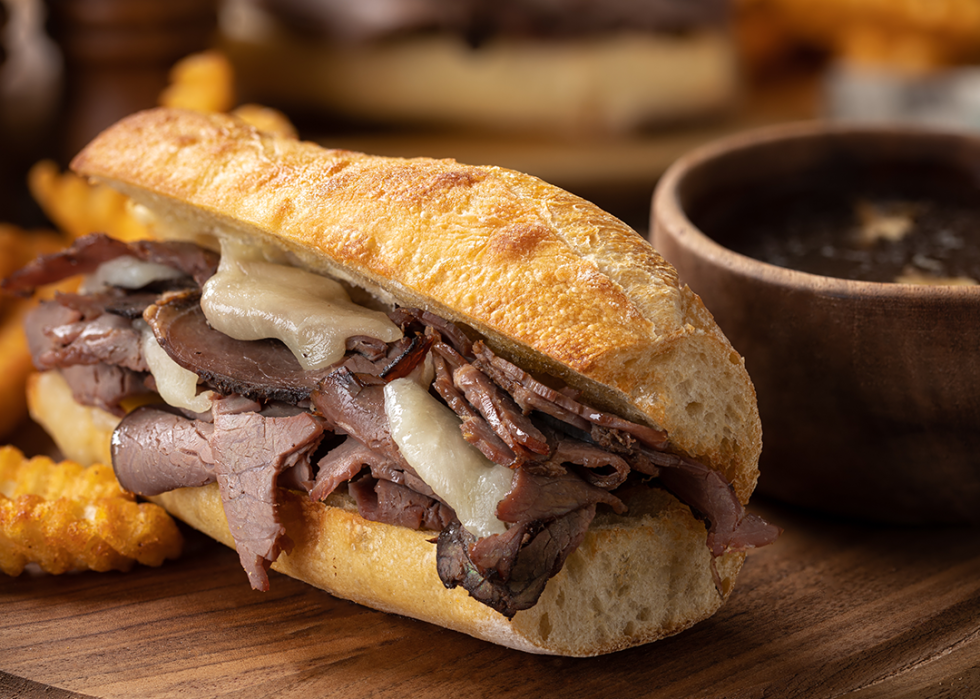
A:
633	580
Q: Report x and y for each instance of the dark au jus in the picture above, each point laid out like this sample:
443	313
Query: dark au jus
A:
907	223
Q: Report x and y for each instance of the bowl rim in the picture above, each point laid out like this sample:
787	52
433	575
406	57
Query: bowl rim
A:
668	215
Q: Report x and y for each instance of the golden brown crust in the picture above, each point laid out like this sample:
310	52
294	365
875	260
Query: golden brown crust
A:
633	580
548	278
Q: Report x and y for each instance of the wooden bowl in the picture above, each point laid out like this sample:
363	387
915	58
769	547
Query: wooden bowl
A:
869	392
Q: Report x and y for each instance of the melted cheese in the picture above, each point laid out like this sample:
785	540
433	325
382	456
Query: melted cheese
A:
251	299
128	273
427	434
175	384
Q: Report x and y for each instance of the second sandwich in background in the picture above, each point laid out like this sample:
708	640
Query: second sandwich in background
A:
512	66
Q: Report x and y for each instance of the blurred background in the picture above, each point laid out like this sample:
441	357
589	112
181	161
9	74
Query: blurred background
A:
597	96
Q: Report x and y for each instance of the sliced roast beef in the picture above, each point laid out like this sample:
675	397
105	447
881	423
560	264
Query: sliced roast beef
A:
474	428
492	555
300	475
119	302
617	442
548	548
271	416
507	581
391	503
84	256
88	253
603	469
109	338
694	484
342	464
354	409
106	386
59	335
405	356
351	408
92	340
156	450
129	305
531	394
259	369
194	261
407	318
250	451
509	571
371	348
39	328
707	492
532	497
501	413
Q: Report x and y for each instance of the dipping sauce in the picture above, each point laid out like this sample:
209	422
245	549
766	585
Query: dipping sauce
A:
908	227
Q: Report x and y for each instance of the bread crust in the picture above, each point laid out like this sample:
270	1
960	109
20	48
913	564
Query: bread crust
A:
633	580
549	279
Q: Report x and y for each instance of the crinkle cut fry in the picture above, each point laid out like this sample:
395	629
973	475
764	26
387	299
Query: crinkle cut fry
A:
64	517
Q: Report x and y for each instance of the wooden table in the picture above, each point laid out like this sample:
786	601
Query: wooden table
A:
832	609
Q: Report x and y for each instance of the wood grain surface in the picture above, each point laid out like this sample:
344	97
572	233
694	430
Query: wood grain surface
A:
832	609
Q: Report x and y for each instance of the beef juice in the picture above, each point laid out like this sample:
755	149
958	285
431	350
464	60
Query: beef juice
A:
910	225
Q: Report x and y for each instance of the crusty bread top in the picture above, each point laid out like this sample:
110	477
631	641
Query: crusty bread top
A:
548	278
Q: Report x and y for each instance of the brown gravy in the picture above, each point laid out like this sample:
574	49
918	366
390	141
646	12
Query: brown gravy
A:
911	225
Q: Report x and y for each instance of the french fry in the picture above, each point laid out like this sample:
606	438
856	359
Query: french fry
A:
62	517
204	82
912	35
266	119
17	247
78	207
15	367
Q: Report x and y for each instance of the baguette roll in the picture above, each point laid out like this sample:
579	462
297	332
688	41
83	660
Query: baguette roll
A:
547	280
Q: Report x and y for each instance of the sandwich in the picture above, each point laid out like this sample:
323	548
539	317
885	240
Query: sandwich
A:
450	392
526	66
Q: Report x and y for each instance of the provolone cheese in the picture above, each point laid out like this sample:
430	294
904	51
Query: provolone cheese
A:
251	299
428	436
175	384
127	272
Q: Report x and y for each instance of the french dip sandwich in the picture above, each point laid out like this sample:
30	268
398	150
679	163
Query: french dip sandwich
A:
450	392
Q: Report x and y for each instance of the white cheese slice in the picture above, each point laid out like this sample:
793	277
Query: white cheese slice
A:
127	272
427	434
175	384
250	299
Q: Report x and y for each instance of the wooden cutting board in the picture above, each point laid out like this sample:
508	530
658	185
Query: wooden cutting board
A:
832	609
